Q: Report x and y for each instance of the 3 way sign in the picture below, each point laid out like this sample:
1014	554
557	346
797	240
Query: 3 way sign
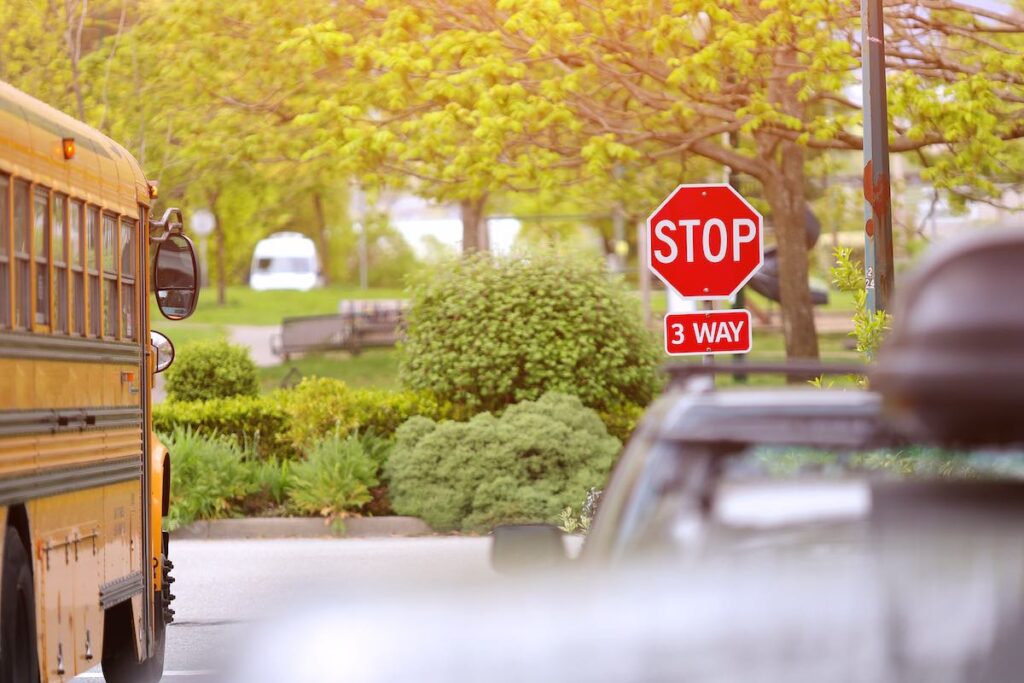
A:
688	334
706	242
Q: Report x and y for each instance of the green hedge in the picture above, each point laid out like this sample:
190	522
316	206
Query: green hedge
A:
256	422
286	423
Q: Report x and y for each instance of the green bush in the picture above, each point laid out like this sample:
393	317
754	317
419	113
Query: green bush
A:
485	333
622	420
209	477
527	465
335	478
257	423
321	407
211	369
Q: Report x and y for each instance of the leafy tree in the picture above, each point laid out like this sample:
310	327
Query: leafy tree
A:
556	92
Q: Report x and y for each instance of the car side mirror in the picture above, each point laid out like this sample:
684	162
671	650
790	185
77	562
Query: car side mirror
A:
164	350
176	277
519	547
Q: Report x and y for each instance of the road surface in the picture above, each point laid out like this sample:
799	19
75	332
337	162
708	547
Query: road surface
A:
224	587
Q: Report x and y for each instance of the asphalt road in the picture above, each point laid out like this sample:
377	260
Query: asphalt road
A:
224	588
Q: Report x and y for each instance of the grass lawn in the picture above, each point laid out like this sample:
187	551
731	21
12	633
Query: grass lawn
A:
375	368
184	332
247	307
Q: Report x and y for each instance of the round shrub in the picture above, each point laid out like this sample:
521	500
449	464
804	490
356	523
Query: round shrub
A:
484	333
212	369
527	465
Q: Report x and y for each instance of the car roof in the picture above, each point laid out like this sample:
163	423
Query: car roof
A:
809	416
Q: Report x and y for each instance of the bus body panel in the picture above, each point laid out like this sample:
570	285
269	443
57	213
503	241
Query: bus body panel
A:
76	447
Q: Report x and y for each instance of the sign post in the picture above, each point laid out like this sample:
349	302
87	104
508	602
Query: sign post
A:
705	242
202	223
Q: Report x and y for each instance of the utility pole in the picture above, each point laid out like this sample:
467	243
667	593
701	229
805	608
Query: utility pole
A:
878	254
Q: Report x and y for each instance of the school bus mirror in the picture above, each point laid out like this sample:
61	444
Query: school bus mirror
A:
176	277
164	350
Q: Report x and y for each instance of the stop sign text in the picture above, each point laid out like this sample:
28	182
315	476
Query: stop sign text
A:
705	241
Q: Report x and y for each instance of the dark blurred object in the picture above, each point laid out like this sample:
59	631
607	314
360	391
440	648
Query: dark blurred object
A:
519	547
953	365
360	324
766	280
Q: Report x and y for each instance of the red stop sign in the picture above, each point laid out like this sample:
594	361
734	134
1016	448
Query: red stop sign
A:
705	241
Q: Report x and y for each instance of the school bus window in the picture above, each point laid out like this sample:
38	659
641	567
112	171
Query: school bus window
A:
77	272
60	264
110	305
42	254
128	257
92	229
22	259
5	260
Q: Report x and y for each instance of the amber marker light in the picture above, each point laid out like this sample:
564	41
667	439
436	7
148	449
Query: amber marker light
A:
68	145
153	189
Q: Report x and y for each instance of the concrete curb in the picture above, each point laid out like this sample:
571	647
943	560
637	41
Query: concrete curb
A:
302	527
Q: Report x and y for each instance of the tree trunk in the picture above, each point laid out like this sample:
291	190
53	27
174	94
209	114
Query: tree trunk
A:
784	190
323	237
474	227
785	194
221	270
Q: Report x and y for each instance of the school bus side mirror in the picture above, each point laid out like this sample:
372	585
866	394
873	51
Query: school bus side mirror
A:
176	277
164	350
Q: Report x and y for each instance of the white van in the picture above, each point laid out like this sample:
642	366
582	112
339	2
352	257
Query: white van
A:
285	260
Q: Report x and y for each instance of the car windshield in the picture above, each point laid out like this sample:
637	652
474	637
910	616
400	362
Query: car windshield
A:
284	264
811	495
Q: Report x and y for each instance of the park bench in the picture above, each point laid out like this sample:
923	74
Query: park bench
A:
359	324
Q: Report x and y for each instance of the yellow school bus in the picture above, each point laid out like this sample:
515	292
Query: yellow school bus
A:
84	483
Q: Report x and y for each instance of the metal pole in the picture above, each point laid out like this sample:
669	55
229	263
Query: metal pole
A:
363	275
878	254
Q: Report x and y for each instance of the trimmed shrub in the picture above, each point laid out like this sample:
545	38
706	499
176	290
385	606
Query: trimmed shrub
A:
212	369
622	420
335	478
321	407
256	423
209	477
485	333
527	465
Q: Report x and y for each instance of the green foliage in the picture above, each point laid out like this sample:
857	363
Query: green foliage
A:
257	423
212	369
486	333
621	420
527	465
335	478
321	407
572	523
868	329
209	477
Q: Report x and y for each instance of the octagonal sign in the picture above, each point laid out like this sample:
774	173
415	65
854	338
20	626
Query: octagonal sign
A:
705	241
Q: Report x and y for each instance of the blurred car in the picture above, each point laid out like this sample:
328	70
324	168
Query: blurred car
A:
285	260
